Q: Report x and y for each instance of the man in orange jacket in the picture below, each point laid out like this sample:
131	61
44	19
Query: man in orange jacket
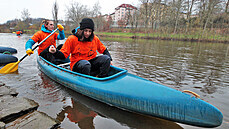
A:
46	29
83	48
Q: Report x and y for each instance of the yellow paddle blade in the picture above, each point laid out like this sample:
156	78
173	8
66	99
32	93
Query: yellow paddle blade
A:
9	68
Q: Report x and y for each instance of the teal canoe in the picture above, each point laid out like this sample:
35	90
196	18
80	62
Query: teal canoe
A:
8	50
130	92
6	59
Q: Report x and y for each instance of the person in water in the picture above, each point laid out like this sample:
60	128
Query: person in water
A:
46	28
83	46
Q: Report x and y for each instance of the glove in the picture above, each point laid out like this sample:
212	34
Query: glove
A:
29	52
60	27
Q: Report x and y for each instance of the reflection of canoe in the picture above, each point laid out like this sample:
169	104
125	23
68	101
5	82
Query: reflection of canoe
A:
7	49
127	91
5	59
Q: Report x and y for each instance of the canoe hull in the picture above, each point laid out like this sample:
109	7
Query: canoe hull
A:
5	59
8	49
136	94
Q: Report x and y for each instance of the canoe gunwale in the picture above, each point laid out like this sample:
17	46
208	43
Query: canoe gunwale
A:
122	71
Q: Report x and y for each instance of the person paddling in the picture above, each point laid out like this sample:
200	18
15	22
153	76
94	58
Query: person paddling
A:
83	48
46	29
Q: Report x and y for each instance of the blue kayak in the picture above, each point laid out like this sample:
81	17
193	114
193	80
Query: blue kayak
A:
5	59
8	50
133	93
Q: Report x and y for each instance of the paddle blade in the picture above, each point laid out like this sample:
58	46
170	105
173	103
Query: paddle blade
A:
9	68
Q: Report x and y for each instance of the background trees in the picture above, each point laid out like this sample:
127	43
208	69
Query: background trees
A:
179	16
160	16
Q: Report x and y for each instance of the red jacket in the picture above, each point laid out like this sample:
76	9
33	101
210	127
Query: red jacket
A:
79	50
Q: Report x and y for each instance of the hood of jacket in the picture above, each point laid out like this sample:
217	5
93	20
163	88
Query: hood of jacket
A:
45	30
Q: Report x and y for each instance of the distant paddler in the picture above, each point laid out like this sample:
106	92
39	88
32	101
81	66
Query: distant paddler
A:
19	33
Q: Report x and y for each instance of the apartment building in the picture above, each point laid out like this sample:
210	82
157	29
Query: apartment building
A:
121	13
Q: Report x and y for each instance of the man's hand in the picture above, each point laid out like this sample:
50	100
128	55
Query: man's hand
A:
29	52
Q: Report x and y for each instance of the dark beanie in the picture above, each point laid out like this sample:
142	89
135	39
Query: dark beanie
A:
87	23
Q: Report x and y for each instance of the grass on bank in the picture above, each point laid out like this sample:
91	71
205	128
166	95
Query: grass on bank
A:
194	35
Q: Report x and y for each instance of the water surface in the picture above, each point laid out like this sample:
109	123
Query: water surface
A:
199	67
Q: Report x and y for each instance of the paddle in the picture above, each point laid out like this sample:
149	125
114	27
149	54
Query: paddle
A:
12	67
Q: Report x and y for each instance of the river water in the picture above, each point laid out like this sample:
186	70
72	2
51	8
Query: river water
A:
199	67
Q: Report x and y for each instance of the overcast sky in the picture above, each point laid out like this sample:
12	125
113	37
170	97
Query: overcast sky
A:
11	9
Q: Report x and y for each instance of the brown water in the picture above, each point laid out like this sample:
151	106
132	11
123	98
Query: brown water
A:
199	67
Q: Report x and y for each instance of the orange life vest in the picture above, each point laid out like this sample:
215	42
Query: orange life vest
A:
79	50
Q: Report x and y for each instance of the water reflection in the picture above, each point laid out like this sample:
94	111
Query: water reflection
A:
50	91
78	114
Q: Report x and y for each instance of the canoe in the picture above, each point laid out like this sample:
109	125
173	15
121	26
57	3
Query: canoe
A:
5	59
130	92
8	49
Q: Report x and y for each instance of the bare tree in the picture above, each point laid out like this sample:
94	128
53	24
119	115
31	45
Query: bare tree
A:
158	13
136	18
75	13
189	4
226	8
212	6
55	13
145	10
128	17
159	10
96	10
96	14
25	15
177	5
202	11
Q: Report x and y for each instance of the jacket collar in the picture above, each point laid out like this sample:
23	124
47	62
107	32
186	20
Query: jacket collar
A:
45	30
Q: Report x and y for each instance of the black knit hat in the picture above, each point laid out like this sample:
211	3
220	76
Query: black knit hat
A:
87	23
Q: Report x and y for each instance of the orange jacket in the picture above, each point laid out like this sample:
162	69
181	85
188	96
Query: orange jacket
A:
79	50
18	32
40	35
76	116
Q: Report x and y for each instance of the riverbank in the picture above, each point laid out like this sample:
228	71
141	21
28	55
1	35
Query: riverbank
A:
172	37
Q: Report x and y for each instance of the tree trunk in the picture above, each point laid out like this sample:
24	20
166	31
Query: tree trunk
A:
55	13
177	15
226	9
189	14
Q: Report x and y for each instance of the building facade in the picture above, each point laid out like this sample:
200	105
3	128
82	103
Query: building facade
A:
122	14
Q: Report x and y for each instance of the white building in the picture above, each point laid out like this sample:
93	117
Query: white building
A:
122	12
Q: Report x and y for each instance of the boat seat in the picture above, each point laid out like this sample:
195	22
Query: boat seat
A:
65	65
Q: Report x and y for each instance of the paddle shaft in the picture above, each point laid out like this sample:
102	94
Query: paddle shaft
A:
38	44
